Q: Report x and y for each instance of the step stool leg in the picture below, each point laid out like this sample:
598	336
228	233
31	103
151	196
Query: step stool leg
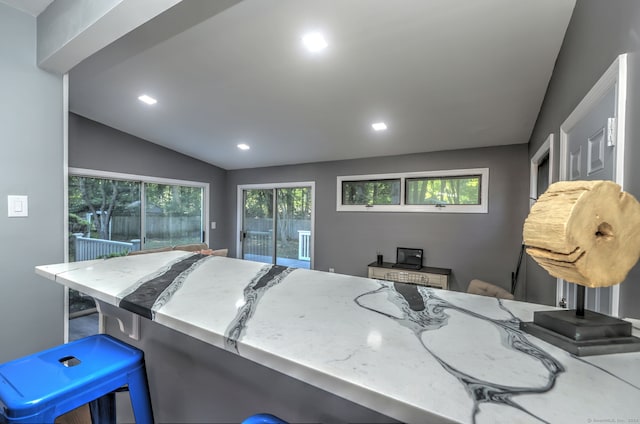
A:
140	400
263	419
103	409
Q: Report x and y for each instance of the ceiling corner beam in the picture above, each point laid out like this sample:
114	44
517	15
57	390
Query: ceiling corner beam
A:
69	31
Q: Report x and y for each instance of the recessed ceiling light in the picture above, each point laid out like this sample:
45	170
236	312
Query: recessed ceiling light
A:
314	41
243	146
147	99
379	126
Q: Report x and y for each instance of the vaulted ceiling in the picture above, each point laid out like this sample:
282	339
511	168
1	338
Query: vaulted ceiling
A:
442	74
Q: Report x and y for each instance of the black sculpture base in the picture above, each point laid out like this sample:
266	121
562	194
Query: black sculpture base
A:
591	334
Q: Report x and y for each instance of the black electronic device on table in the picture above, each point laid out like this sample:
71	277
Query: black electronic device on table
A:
408	258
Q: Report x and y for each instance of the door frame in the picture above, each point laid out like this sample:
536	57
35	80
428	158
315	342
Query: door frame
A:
614	76
547	149
272	186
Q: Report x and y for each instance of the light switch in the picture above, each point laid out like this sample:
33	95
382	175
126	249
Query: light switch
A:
213	225
18	206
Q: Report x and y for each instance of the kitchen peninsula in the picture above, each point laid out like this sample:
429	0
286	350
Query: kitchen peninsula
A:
225	338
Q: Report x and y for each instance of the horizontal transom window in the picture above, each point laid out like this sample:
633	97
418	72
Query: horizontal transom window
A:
371	192
462	190
457	191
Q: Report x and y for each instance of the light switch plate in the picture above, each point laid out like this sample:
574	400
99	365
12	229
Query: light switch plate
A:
18	206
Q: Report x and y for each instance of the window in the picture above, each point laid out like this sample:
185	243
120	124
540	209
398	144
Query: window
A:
112	214
457	191
372	192
100	211
173	215
463	190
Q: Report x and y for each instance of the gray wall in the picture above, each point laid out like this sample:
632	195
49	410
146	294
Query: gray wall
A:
31	308
598	32
207	384
96	146
484	246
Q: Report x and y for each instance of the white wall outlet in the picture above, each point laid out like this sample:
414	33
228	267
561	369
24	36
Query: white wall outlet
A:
18	206
332	270
213	225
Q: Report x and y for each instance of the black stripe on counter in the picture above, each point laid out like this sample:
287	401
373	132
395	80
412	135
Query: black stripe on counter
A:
142	299
266	278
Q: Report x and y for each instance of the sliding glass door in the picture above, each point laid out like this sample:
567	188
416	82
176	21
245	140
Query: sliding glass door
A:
293	226
257	233
277	222
113	214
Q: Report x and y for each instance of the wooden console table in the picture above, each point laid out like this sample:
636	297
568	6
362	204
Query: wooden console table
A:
427	276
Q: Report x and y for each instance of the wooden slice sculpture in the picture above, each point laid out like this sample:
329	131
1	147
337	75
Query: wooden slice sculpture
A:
586	232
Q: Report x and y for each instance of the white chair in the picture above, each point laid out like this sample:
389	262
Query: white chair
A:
487	289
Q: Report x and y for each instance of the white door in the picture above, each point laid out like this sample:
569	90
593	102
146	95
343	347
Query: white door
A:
590	142
590	156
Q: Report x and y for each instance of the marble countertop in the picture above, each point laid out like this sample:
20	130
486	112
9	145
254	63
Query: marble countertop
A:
413	353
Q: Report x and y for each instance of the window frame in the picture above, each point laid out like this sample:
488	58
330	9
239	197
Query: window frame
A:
92	173
274	186
399	180
483	207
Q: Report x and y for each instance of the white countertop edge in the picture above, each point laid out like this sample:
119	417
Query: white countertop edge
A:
361	395
41	271
113	300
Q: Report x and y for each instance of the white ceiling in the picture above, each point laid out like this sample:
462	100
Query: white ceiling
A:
443	74
32	7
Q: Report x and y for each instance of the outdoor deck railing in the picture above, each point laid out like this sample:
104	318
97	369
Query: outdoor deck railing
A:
260	243
91	248
304	245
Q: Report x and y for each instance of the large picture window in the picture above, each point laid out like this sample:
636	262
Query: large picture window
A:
456	191
174	215
112	214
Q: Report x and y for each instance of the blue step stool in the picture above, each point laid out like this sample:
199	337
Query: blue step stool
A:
263	419
40	387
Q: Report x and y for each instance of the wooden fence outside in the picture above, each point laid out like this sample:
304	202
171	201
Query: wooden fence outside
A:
158	227
291	226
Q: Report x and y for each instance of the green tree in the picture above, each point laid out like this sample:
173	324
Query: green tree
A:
293	204
102	198
450	190
379	192
174	200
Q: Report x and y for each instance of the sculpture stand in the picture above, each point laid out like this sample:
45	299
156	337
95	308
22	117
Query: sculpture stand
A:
582	332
